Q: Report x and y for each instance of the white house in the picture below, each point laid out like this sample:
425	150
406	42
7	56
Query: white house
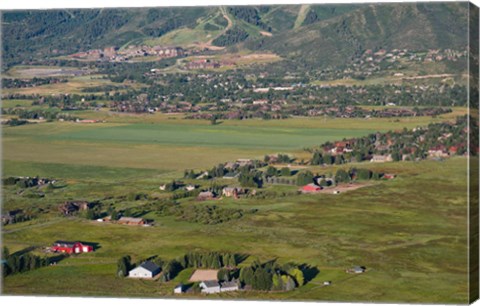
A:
228	286
146	270
210	287
190	187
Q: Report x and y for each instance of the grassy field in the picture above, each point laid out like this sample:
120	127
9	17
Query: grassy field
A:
409	232
414	244
162	146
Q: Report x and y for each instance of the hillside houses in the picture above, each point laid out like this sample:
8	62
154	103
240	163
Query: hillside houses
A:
202	64
115	54
71	207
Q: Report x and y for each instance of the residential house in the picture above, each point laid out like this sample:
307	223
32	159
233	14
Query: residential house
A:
231	175
147	269
209	287
229	286
381	158
9	217
131	221
70	207
205	195
190	187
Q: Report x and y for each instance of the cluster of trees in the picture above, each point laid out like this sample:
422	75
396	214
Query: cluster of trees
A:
231	37
37	113
24	182
209	214
25	261
17	216
272	276
250	179
15	122
22	83
124	264
205	214
404	144
273	172
212	260
304	178
249	14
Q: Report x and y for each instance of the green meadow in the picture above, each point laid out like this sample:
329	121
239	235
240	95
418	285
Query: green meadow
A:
415	244
409	232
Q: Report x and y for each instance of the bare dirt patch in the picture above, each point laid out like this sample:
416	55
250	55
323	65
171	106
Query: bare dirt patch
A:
343	188
203	275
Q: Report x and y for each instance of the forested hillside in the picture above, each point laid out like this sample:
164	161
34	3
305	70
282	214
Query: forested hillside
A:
318	35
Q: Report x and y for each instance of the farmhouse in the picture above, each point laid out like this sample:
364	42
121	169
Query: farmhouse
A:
70	247
210	287
70	207
356	270
381	158
190	187
232	192
9	217
310	188
146	270
231	175
203	64
131	221
205	195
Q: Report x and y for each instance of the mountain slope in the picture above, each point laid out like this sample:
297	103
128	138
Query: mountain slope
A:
313	35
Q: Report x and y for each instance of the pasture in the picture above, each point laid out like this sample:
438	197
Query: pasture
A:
415	244
409	232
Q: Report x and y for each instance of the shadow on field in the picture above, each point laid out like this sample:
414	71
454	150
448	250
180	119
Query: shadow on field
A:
239	258
24	251
309	272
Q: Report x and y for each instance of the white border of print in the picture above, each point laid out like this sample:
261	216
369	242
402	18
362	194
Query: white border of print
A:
61	301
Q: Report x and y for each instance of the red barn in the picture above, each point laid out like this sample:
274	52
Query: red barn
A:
310	188
71	247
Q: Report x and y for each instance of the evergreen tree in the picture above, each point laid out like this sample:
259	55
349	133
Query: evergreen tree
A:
246	275
285	171
297	275
262	279
123	266
342	176
271	171
277	283
304	178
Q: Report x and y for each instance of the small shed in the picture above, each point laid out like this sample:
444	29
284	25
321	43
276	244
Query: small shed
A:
179	289
311	188
358	269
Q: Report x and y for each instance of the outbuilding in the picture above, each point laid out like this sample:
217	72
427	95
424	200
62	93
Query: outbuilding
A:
179	289
147	269
311	188
70	247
